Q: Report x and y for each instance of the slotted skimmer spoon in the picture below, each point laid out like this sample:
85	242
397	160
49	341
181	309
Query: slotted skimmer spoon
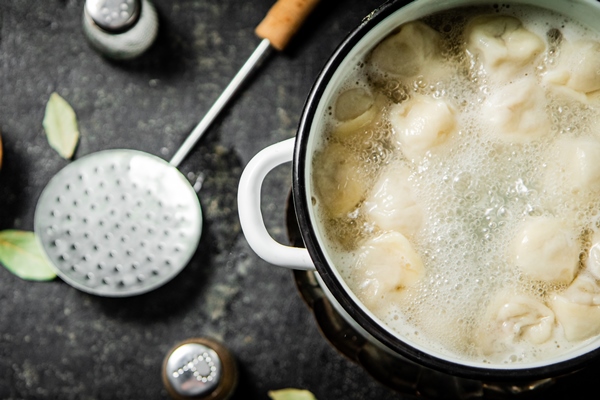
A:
122	222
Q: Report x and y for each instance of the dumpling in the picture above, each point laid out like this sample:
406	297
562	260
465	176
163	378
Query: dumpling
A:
386	266
502	46
517	112
391	203
546	249
577	67
592	264
575	166
512	320
577	308
414	50
422	123
357	111
352	103
339	180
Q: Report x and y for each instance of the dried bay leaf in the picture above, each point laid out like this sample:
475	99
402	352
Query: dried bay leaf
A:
21	254
60	124
291	394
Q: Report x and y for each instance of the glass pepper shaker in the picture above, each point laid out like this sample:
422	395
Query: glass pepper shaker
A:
120	29
200	369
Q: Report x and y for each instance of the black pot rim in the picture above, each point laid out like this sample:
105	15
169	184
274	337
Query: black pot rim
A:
309	236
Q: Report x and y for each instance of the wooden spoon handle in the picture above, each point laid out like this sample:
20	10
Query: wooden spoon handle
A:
283	20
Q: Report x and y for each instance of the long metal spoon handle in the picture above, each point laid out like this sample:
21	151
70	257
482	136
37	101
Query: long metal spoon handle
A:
277	28
259	54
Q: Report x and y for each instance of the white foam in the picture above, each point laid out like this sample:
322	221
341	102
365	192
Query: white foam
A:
475	191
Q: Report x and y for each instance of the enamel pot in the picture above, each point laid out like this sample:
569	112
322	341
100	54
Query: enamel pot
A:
299	150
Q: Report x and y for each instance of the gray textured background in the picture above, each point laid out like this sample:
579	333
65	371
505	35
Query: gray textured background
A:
59	343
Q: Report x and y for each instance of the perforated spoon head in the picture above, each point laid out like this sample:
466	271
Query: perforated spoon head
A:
118	222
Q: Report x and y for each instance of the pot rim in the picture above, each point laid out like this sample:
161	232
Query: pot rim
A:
309	234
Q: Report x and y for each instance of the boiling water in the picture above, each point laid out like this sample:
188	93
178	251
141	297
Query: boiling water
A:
474	190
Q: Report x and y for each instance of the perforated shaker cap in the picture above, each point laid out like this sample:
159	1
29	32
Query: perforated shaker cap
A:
200	369
120	29
113	15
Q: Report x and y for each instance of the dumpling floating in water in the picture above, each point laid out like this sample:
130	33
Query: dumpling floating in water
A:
387	265
353	103
357	112
415	50
502	47
592	264
574	167
577	308
391	203
512	322
517	112
422	123
340	180
546	249
577	70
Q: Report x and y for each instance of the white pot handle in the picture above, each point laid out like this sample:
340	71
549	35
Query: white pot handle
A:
251	219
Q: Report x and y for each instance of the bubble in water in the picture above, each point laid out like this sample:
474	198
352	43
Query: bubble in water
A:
462	181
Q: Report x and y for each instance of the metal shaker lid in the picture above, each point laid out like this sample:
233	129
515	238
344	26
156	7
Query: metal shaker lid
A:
113	15
199	368
120	29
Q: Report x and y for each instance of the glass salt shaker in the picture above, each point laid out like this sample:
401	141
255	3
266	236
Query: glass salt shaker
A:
200	369
120	29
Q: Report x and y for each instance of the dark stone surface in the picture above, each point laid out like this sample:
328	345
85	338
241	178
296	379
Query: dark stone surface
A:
59	343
